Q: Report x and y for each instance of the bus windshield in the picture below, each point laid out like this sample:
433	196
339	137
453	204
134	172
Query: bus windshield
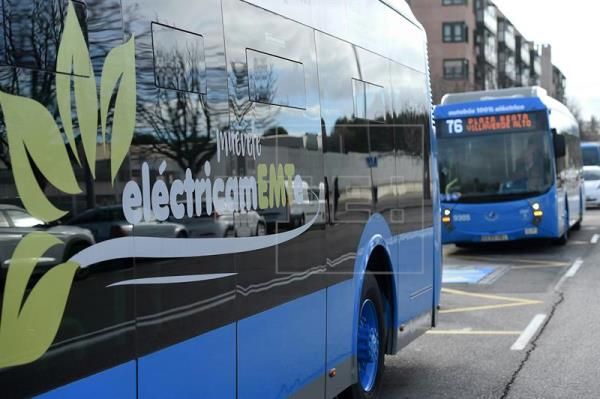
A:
495	167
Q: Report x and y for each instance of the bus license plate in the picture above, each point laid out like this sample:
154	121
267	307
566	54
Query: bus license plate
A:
494	238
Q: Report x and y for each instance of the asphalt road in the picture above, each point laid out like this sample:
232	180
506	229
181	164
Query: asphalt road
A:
516	321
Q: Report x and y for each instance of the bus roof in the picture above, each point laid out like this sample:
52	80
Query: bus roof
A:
505	94
491	102
505	101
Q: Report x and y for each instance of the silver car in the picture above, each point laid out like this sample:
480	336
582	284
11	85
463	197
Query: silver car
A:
106	222
15	223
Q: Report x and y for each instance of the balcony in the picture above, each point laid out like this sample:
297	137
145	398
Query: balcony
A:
488	17
524	77
490	50
524	53
536	66
507	66
506	35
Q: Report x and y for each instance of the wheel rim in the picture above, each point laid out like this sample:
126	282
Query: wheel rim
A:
368	345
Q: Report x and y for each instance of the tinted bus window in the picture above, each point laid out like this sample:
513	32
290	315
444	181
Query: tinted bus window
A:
178	59
369	100
275	80
33	30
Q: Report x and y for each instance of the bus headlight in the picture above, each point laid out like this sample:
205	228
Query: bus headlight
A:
537	213
446	218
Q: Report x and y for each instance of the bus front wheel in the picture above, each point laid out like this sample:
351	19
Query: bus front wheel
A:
370	346
562	240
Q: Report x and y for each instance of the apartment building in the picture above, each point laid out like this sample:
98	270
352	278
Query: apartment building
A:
474	46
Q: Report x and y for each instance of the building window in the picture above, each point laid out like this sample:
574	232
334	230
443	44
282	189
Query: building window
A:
456	69
454	2
455	32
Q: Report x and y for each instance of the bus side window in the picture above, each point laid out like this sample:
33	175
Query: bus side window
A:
33	31
179	60
275	80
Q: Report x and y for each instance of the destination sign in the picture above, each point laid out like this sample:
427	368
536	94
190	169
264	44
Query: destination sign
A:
516	122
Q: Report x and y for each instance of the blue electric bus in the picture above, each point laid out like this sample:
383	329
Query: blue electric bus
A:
213	198
510	166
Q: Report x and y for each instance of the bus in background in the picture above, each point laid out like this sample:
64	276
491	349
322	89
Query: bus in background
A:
308	124
591	153
510	166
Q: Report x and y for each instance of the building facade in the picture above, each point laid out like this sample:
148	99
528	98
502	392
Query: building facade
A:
474	46
551	77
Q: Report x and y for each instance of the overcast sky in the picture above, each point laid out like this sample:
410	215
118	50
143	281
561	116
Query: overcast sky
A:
573	30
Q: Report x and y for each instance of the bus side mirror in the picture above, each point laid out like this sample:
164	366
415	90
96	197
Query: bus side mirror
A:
560	145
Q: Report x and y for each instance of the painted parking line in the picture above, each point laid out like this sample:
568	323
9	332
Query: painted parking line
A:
514	260
577	242
457	274
575	268
533	326
469	331
595	238
570	273
507	302
541	266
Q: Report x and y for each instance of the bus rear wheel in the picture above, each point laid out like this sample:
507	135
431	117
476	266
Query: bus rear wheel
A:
370	346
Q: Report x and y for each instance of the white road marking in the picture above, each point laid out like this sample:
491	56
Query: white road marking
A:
573	269
570	273
528	333
595	238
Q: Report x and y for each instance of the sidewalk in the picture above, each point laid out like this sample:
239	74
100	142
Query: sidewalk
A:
564	361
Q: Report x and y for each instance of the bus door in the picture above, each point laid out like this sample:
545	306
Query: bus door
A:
186	329
281	300
413	219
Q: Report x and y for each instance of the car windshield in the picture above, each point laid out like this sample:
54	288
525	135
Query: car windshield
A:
591	155
591	175
23	219
494	167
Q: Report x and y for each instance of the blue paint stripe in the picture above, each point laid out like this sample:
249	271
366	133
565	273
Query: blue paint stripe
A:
282	350
116	382
201	367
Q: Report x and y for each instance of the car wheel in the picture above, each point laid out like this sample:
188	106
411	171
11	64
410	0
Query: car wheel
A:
261	229
229	233
370	343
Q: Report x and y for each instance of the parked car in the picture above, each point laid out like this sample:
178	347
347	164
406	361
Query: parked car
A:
591	176
108	222
310	206
15	223
591	153
226	224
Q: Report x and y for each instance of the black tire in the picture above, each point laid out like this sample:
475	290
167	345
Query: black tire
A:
371	291
562	240
181	234
261	229
577	225
230	232
463	245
